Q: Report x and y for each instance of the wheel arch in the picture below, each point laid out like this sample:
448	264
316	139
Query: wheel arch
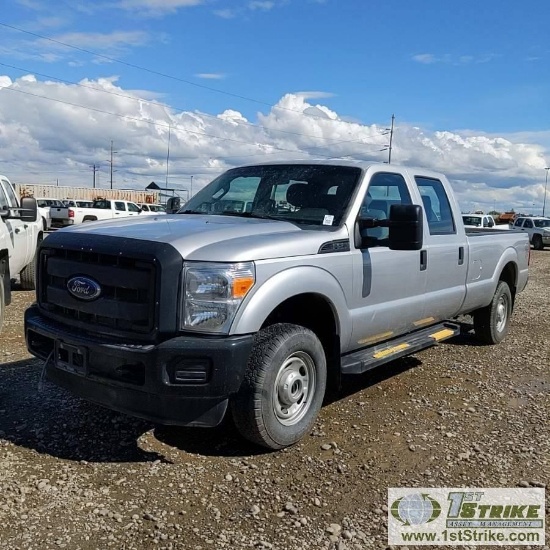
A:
509	274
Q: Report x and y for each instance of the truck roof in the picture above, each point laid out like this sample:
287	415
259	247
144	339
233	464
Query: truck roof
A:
364	165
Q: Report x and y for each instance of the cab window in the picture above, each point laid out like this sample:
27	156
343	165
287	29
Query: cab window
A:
120	206
437	208
133	207
528	223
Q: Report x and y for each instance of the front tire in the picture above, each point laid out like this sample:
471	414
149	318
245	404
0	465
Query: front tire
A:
283	387
492	322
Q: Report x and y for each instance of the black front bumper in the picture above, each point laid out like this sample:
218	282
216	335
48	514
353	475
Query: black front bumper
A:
185	380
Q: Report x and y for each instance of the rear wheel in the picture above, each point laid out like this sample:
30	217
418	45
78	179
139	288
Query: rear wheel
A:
283	388
2	301
492	322
537	242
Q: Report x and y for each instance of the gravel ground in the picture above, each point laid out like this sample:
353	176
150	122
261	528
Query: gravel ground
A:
73	475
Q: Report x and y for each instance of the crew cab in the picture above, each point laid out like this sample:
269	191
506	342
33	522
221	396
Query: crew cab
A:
20	235
334	269
105	209
538	229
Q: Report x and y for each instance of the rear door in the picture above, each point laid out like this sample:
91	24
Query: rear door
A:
445	249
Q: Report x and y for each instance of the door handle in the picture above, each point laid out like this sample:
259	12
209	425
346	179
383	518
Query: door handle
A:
460	255
423	260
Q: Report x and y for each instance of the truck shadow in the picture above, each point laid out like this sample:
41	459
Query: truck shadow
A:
51	421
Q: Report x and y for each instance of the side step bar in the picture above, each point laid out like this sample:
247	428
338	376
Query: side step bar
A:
373	356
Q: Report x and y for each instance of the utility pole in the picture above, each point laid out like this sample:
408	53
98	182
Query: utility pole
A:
168	157
95	168
391	139
545	186
191	194
111	161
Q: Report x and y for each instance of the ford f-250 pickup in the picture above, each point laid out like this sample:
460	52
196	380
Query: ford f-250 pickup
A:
335	268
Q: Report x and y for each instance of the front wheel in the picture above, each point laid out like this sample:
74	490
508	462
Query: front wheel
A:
283	387
492	322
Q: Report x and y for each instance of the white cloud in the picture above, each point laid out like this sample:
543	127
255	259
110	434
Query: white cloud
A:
156	8
425	58
210	76
43	140
226	13
264	5
430	59
99	41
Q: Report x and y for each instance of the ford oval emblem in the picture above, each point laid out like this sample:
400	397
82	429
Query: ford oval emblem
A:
83	288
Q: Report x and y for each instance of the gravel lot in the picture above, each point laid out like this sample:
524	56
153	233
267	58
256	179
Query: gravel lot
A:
73	475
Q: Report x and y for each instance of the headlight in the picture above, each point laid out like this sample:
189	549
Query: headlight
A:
213	293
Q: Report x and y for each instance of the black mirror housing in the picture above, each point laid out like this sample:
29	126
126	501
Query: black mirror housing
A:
406	227
173	204
29	209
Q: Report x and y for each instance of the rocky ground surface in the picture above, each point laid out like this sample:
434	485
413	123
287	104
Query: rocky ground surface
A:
76	476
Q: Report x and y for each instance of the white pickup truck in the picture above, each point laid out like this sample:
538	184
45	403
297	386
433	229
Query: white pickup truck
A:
104	209
20	235
538	229
53	213
485	221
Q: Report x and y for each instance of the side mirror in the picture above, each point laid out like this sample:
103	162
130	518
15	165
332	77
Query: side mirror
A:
29	209
406	227
173	204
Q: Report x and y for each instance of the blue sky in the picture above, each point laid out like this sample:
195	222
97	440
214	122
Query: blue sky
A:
474	69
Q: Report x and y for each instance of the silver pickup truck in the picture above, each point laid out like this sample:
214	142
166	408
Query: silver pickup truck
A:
333	268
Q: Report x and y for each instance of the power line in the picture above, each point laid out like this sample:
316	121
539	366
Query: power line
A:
158	73
165	105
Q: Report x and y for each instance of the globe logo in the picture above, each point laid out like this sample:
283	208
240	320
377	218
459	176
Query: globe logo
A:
415	509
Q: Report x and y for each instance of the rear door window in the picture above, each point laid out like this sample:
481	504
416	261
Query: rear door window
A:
120	206
437	208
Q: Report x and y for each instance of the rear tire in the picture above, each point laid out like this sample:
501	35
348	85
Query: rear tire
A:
283	387
2	302
537	242
28	275
492	322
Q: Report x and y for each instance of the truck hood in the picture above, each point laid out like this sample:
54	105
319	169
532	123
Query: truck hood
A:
218	238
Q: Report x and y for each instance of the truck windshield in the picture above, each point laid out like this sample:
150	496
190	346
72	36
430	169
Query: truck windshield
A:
301	193
541	223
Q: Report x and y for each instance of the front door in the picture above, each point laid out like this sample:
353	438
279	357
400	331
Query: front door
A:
389	285
17	230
